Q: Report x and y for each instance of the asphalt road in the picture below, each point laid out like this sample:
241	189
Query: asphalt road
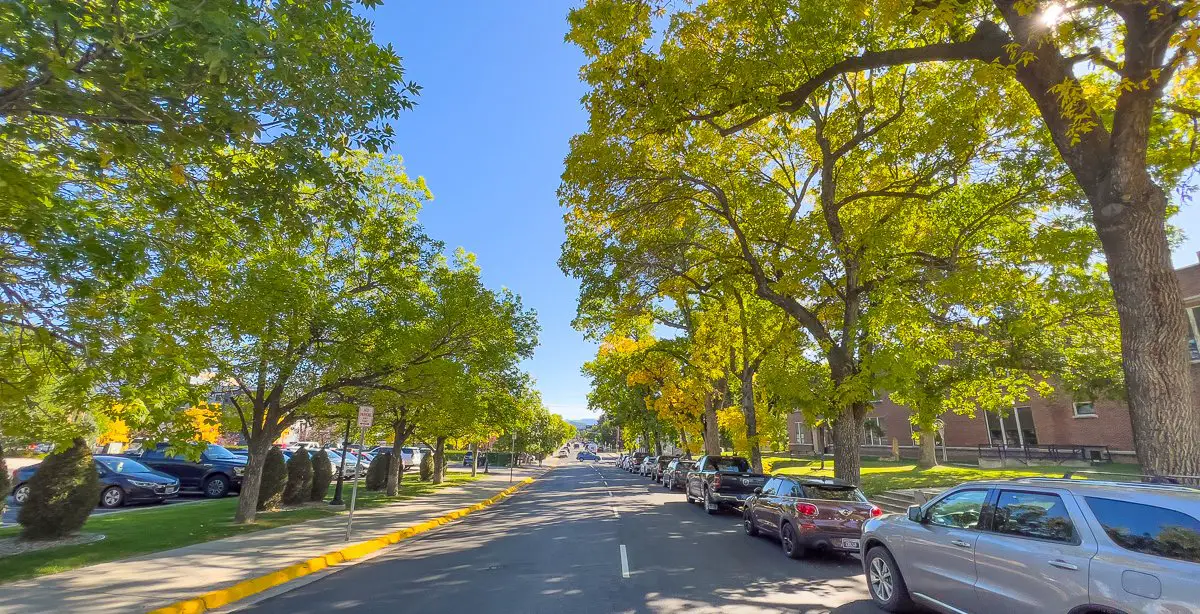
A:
587	538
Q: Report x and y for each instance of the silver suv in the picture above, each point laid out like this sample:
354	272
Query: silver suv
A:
1040	545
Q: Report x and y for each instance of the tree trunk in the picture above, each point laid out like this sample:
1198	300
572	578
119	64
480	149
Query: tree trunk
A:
396	469
474	459
847	438
439	460
751	420
712	434
1154	349
258	446
928	456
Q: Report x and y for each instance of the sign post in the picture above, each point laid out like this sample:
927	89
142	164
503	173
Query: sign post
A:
366	414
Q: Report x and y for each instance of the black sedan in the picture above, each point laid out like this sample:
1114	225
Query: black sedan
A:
122	481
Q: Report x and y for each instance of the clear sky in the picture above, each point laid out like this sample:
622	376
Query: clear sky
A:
489	134
501	100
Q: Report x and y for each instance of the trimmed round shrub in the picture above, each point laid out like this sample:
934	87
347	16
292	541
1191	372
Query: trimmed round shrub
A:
299	478
322	476
61	494
377	472
274	480
426	467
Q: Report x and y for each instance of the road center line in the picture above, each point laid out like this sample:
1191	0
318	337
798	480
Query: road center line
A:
624	563
615	512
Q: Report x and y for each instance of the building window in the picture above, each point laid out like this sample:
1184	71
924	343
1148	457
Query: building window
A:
799	432
1028	430
1193	322
1016	429
1084	409
873	431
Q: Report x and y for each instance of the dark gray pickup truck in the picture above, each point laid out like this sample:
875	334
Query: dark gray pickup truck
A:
721	481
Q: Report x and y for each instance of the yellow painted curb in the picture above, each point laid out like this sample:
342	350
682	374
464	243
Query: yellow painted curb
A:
225	596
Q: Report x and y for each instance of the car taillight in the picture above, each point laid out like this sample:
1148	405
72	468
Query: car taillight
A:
875	511
806	509
716	483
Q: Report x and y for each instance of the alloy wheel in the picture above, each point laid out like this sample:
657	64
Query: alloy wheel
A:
112	497
881	579
22	494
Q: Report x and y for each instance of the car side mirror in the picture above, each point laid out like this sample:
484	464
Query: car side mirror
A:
758	490
915	514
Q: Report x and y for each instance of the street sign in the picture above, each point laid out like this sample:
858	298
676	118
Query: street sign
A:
366	414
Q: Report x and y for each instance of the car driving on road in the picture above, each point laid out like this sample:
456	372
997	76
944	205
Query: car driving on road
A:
584	455
1040	545
123	481
808	514
721	481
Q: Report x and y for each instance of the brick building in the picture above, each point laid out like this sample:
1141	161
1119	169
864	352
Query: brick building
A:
1058	420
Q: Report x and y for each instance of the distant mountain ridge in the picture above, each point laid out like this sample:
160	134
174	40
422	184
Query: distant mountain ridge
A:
582	423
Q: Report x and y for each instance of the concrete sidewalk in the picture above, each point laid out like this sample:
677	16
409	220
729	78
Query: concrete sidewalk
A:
155	580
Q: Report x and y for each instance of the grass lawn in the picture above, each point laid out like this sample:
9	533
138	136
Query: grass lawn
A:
880	476
155	529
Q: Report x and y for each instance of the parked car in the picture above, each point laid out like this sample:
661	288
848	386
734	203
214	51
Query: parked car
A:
721	481
122	481
335	458
584	455
1040	545
809	514
660	464
217	473
311	445
676	473
635	461
644	467
408	455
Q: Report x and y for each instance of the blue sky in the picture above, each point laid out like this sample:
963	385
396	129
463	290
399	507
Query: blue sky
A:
490	131
489	134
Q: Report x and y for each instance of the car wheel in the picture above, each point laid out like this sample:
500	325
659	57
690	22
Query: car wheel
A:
791	546
112	497
710	506
748	524
216	487
21	494
887	586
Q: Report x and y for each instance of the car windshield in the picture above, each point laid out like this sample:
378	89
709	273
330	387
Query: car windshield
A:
834	493
123	465
216	452
732	465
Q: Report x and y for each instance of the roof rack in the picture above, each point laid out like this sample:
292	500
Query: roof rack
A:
1150	485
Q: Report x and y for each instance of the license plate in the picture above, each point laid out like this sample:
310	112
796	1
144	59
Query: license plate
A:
850	544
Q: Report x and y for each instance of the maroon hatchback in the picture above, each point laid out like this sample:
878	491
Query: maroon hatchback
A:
809	514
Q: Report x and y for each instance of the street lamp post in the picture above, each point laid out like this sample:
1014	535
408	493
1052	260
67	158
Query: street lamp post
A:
337	492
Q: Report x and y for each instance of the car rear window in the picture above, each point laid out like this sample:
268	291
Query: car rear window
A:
731	465
1148	529
833	493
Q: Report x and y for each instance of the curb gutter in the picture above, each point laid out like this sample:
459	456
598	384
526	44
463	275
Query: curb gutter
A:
225	596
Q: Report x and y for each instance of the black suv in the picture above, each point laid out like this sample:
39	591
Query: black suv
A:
217	473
